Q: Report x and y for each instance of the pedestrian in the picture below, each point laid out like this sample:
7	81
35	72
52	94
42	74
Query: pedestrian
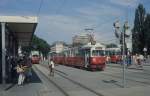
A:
139	61
142	60
20	71
129	59
13	69
135	60
51	67
107	59
28	71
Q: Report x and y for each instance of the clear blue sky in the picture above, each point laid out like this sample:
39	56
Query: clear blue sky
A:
60	20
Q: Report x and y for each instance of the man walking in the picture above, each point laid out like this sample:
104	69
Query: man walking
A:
51	67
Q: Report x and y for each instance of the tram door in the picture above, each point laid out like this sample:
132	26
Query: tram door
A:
87	58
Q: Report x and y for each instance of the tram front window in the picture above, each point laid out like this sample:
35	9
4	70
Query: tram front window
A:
118	53
98	53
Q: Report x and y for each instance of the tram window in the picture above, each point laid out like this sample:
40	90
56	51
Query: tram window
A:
107	53
118	53
98	53
35	55
81	53
112	53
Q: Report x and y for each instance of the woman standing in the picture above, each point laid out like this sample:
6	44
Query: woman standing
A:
20	71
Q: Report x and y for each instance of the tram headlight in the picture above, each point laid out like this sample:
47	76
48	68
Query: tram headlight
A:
94	60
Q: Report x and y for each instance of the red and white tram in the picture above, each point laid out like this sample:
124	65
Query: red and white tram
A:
88	56
114	54
35	57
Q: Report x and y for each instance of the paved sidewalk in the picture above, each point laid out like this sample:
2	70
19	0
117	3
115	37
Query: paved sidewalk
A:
32	88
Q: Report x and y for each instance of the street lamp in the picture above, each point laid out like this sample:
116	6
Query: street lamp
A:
117	31
121	35
145	52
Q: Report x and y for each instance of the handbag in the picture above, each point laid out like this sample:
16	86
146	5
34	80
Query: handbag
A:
19	70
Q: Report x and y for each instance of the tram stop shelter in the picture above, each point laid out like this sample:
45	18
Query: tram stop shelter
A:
15	31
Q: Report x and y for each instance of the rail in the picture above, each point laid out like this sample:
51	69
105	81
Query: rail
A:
64	75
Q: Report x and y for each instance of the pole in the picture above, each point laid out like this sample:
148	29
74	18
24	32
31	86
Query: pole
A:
124	73
117	26
3	54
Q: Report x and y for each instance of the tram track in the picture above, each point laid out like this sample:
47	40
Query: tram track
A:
55	84
115	76
138	74
65	76
120	67
133	80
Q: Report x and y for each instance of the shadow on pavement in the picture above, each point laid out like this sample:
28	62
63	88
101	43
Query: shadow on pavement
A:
34	78
9	87
112	82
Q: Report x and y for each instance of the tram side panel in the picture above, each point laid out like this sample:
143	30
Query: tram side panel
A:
35	59
115	58
84	58
93	63
98	62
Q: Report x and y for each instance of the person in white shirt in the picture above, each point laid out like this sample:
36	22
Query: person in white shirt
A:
20	71
51	67
139	59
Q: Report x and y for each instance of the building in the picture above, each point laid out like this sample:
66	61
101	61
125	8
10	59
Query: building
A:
15	32
58	47
82	39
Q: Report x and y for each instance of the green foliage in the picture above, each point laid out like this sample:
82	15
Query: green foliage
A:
40	45
138	30
147	32
37	44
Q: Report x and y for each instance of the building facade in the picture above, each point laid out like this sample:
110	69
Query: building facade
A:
58	47
82	39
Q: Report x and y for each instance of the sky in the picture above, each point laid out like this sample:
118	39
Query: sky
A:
60	20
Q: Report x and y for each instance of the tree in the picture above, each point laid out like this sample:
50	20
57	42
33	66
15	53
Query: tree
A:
138	35
37	44
40	45
147	32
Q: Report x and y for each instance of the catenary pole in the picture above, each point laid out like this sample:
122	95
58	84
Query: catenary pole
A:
124	70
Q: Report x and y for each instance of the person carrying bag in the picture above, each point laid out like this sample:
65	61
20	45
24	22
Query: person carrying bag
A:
20	71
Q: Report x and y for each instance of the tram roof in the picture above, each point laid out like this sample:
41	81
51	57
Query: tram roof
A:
23	27
89	45
116	49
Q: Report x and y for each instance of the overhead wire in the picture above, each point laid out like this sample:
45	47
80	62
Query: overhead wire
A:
61	7
39	9
102	24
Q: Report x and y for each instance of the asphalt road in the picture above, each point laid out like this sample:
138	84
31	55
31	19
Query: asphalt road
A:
98	81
